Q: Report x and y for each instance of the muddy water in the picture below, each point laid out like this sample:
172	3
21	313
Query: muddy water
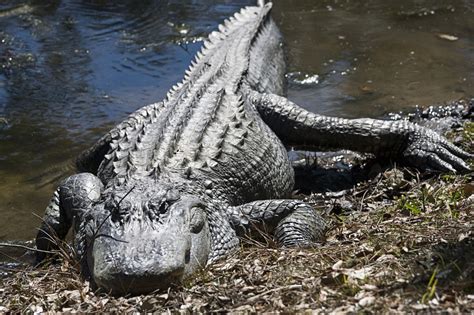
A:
71	69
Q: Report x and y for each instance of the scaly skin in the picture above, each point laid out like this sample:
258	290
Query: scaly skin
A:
171	188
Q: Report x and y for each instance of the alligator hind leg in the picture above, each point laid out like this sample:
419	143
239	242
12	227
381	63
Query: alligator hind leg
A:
416	145
71	199
292	222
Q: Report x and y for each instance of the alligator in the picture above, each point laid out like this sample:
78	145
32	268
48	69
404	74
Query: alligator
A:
176	185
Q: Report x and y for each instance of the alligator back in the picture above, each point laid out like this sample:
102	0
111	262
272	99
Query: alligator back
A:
205	128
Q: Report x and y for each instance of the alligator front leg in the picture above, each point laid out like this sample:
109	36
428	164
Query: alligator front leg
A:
419	146
71	199
292	222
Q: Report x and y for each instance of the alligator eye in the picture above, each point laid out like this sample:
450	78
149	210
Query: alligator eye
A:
111	205
163	207
158	206
124	206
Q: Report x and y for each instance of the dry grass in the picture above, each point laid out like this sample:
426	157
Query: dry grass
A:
397	243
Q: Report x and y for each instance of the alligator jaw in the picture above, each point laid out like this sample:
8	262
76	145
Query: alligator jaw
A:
135	284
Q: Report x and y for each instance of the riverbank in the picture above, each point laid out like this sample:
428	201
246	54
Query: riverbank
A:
401	241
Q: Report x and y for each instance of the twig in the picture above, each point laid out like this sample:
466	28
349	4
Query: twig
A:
26	247
289	287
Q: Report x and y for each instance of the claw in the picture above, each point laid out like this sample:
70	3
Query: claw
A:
428	149
459	152
454	160
436	163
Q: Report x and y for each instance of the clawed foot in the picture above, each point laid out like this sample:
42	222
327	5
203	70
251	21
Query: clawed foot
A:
427	149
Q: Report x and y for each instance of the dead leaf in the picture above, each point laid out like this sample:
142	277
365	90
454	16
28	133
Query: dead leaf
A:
367	301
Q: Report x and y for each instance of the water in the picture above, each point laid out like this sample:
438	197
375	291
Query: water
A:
374	57
71	69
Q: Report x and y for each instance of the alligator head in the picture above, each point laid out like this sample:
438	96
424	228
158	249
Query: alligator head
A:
145	238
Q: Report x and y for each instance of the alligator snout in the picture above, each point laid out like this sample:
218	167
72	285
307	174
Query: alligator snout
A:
142	262
141	272
118	282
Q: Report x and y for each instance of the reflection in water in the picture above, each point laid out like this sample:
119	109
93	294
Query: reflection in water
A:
373	57
71	69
